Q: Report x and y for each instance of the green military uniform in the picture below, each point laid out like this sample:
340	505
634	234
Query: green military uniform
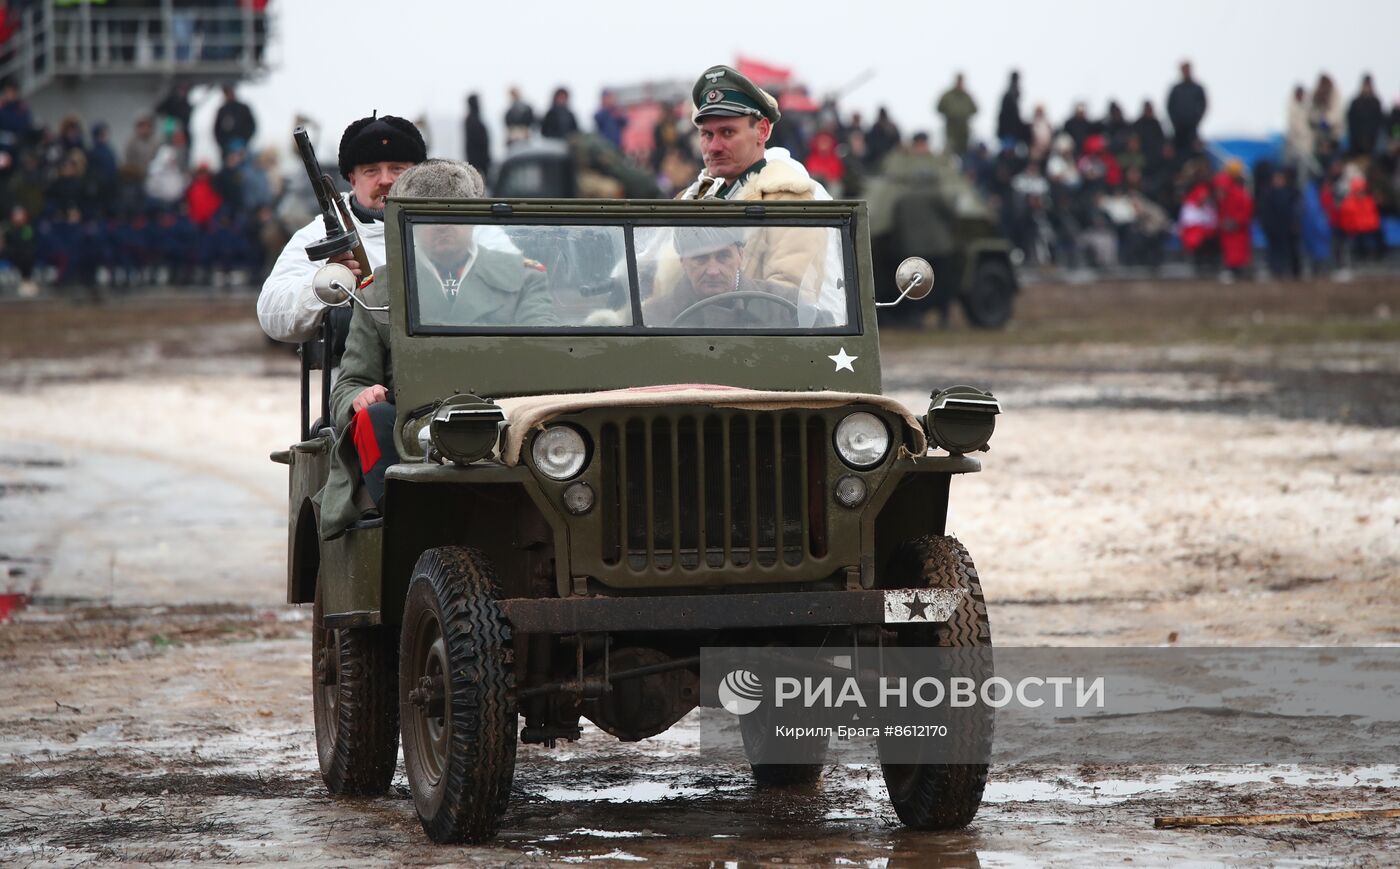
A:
498	289
957	108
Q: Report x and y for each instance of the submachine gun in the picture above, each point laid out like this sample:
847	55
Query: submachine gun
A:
341	237
340	229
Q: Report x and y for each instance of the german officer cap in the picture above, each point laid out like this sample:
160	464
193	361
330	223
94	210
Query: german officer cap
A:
722	91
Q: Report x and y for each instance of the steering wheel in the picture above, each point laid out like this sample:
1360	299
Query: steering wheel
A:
736	295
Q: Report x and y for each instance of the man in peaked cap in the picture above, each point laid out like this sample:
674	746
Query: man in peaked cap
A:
373	153
735	118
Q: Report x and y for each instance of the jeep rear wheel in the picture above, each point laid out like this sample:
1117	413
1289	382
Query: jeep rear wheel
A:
455	698
942	796
757	731
357	718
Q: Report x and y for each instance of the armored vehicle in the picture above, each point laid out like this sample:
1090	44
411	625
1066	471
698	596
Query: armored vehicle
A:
584	165
691	451
922	205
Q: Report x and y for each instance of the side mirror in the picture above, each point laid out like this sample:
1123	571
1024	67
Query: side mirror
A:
334	285
914	277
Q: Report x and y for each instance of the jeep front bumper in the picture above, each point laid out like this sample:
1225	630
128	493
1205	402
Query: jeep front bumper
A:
709	612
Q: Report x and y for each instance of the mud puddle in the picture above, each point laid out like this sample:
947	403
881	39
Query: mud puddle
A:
122	747
154	697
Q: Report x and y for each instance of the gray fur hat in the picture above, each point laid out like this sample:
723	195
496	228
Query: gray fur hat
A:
439	179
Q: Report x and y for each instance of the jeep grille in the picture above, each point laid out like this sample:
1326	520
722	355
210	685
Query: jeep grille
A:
714	489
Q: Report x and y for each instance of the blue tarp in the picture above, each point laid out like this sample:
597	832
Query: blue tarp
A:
1247	151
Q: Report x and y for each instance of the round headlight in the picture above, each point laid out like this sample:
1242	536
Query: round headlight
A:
559	452
862	440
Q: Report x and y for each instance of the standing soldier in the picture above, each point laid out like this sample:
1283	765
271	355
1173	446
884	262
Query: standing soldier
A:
957	108
374	152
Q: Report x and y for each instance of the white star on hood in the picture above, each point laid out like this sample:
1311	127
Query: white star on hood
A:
844	361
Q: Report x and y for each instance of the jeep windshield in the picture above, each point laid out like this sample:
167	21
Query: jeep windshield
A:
483	276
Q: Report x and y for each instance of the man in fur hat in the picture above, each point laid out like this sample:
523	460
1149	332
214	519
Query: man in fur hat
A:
735	118
374	152
458	282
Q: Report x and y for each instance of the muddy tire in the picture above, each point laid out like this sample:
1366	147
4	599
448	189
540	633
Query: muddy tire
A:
756	730
987	302
455	696
354	671
941	796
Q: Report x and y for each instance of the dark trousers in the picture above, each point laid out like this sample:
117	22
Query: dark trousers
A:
372	430
1283	256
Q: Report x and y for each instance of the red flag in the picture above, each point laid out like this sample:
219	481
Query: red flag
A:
762	74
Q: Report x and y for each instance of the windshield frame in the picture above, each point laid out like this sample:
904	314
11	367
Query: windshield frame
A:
843	224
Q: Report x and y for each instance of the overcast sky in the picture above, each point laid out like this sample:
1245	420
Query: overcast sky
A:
338	59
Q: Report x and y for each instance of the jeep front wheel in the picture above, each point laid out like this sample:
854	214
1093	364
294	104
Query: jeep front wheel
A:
455	696
352	691
943	796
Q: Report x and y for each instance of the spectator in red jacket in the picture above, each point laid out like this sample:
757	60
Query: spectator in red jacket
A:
1198	224
823	161
1098	165
1236	215
1360	219
202	199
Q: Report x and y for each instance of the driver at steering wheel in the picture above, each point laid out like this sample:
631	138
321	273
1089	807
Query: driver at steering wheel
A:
712	290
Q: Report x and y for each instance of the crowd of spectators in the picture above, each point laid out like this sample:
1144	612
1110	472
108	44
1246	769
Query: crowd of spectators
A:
81	214
1096	192
1089	191
1114	191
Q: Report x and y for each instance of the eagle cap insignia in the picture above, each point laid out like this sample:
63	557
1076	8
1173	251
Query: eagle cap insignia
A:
714	76
713	96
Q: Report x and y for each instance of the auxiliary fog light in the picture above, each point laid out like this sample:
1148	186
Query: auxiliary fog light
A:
862	440
578	498
850	491
560	452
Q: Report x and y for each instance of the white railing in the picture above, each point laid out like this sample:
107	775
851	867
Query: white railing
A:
172	38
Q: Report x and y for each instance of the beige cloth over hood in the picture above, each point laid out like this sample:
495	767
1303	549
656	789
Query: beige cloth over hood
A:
531	412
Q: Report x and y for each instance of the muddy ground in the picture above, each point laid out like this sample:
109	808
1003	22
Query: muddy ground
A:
1178	463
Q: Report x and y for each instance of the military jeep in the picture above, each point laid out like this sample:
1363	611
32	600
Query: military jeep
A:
922	205
582	505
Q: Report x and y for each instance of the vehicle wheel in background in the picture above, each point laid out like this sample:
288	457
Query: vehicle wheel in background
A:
987	302
459	715
354	671
942	796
